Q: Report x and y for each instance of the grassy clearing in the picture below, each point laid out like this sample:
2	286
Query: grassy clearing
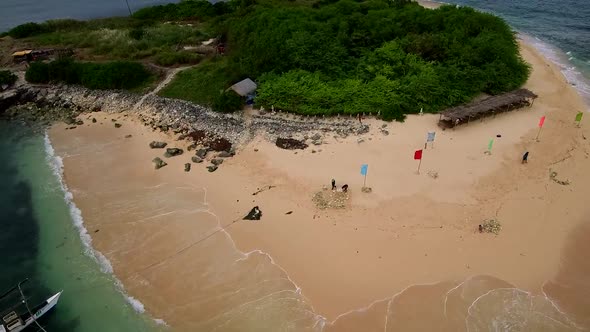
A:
158	43
203	83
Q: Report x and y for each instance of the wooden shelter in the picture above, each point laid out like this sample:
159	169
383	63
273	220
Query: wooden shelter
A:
489	106
244	87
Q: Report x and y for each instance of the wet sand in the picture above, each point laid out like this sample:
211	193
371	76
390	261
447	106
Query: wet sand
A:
350	268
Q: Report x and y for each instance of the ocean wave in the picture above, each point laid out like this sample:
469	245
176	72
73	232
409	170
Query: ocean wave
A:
563	60
135	303
56	164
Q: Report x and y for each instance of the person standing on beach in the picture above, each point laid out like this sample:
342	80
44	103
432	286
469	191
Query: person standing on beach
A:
525	158
333	184
360	118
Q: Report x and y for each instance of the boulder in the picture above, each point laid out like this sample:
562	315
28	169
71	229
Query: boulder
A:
212	168
384	132
201	153
290	143
225	154
191	147
316	137
128	136
158	163
171	152
93	120
196	160
158	145
219	144
217	161
187	167
362	130
254	214
70	120
79	122
118	125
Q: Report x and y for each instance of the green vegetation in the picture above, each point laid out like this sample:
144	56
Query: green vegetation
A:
344	57
385	57
227	102
172	58
111	75
202	84
118	38
7	77
183	11
26	30
158	42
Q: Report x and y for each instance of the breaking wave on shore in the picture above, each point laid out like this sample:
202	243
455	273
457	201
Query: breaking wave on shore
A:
55	162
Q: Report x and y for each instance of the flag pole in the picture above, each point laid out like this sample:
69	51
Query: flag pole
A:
420	163
365	181
538	133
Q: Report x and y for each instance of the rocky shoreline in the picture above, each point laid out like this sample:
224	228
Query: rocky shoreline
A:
44	105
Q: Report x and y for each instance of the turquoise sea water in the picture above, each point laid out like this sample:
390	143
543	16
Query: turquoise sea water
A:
40	241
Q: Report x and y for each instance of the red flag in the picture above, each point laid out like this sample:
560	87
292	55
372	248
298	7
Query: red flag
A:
542	121
418	155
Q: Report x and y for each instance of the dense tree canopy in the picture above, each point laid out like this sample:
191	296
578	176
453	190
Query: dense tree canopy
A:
391	57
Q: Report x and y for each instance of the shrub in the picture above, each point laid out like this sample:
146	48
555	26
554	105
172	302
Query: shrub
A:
38	72
173	58
184	10
26	30
227	102
110	75
7	77
136	33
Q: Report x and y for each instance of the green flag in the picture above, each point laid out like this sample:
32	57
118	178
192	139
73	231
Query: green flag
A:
579	116
490	144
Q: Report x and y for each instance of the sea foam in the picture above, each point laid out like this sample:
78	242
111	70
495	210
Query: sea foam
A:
563	60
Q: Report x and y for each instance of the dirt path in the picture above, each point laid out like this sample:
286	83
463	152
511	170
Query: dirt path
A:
169	76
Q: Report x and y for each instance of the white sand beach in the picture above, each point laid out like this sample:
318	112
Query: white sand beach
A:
177	242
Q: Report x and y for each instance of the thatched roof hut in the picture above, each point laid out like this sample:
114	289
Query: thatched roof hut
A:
486	107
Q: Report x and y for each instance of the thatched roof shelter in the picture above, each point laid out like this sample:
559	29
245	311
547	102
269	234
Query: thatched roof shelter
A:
486	107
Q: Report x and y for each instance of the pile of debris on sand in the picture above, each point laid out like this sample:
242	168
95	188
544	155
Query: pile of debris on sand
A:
330	199
490	226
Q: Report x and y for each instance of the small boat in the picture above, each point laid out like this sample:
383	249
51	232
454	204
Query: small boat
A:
19	315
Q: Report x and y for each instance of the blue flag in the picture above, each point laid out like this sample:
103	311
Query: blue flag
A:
430	137
364	169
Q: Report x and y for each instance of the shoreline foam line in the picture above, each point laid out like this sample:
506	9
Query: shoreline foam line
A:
55	162
563	61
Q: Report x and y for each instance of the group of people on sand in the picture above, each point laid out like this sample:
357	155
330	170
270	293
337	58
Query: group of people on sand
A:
344	187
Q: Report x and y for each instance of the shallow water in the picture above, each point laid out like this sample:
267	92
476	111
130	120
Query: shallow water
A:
40	241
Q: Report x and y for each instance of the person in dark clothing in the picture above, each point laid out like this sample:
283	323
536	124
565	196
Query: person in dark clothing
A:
333	184
345	188
525	158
